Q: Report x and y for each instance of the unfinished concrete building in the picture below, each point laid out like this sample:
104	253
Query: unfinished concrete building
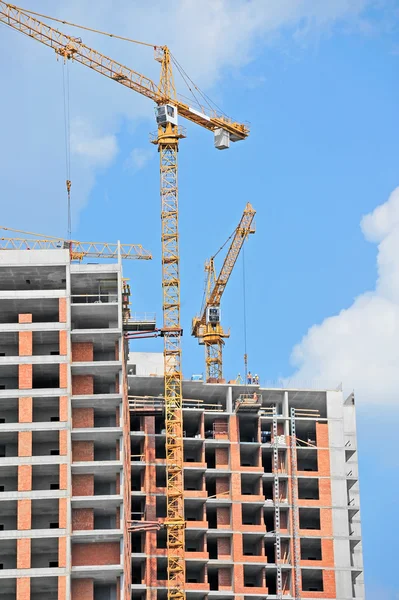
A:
264	514
62	457
271	492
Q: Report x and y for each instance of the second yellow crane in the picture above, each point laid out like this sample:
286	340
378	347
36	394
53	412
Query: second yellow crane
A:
207	327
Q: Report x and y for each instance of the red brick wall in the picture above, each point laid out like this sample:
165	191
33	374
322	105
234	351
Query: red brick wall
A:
62	512
24	443
25	410
82	417
24	514
82	485
24	318
224	578
62	546
23	553
82	519
82	351
62	310
82	451
61	588
223	546
101	553
25	343
63	443
24	478
63	408
63	374
221	456
223	517
63	342
222	486
23	588
63	477
82	385
82	589
24	377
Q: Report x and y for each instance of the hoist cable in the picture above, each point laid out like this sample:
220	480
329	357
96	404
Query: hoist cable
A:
244	314
67	136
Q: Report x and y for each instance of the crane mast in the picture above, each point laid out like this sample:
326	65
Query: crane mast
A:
167	141
207	327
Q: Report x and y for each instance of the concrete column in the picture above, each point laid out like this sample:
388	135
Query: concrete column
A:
229	400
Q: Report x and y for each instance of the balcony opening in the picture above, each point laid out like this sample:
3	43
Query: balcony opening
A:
270	550
210	458
311	549
192	424
162	538
9	479
136	481
104	591
160	427
250	485
307	460
44	513
211	517
250	515
193	481
162	569
193	453
194	541
210	485
44	553
267	460
45	376
248	426
136	423
308	489
160	448
309	518
271	582
249	457
8	516
212	548
251	545
268	489
195	573
253	576
312	580
137	450
137	541
268	519
138	507
160	507
193	510
160	477
213	580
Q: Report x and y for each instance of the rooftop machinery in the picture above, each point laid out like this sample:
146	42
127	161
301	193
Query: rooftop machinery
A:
207	327
169	107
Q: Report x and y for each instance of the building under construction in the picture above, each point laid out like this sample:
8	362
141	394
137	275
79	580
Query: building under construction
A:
271	492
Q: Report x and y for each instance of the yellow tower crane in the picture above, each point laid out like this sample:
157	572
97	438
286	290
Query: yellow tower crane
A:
169	108
207	327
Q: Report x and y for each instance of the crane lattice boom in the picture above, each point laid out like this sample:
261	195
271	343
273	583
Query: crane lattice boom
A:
78	250
73	48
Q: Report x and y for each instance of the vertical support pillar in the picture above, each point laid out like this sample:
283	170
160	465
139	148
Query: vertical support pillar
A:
168	139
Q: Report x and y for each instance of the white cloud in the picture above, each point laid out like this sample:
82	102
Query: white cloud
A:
138	158
359	346
223	35
98	150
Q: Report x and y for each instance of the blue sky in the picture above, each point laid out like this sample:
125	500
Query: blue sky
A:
318	83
